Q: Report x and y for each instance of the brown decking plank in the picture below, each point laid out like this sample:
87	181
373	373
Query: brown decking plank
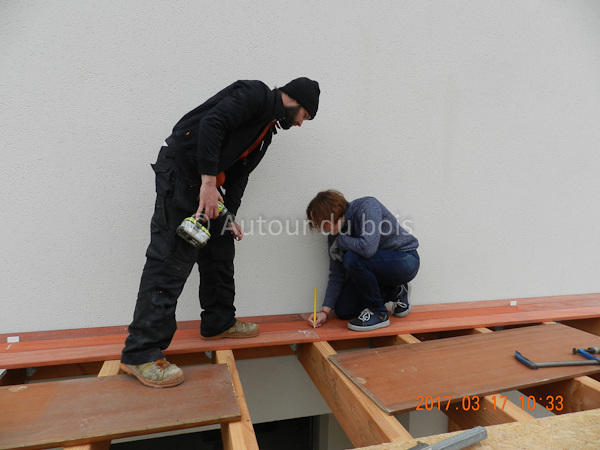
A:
87	410
187	340
186	330
456	309
53	344
266	338
395	377
104	343
553	301
122	329
417	322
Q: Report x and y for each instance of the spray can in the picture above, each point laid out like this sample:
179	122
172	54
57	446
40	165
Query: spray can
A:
194	232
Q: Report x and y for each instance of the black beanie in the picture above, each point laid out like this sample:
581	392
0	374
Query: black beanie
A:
306	92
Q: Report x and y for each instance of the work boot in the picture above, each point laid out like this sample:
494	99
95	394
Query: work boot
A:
369	320
157	374
401	304
239	330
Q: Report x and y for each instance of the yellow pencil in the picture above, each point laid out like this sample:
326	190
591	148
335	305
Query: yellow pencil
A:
315	310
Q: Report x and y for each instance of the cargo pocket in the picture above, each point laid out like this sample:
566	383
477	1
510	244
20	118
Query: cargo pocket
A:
165	178
186	194
182	259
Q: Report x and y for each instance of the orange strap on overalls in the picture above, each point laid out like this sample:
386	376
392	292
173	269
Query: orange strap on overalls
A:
221	176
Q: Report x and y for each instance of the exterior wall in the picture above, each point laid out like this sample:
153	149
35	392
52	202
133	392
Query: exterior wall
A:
476	122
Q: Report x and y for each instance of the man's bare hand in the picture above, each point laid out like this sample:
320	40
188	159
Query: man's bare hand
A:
236	230
209	198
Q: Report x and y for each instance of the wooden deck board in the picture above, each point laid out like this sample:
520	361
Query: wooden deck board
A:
396	378
49	348
108	347
417	322
95	409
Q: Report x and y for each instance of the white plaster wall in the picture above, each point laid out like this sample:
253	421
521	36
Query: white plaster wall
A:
475	120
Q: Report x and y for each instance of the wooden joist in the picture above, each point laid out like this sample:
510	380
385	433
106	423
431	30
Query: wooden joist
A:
364	423
236	435
567	396
590	325
490	410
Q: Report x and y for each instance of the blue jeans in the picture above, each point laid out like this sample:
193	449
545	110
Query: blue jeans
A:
371	282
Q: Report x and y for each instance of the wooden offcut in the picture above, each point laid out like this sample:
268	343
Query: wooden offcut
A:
399	378
81	411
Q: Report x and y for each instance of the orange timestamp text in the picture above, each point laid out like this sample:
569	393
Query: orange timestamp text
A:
475	403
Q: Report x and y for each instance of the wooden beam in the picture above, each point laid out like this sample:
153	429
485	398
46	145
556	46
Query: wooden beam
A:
401	339
262	352
45	373
109	368
363	421
351	344
485	411
14	376
236	435
588	325
573	395
480	331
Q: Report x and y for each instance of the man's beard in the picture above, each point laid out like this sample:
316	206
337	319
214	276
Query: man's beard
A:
291	112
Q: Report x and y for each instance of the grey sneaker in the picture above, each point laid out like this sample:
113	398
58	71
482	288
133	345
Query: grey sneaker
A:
157	374
239	330
402	304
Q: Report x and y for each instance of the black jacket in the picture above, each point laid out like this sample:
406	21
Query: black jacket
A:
211	138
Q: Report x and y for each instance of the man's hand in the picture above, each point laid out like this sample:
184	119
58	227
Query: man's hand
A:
236	230
209	198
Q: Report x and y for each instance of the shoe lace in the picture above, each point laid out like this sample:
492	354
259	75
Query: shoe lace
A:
163	364
240	325
365	315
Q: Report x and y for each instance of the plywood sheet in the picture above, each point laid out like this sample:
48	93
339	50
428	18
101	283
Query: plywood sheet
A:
94	409
400	378
569	431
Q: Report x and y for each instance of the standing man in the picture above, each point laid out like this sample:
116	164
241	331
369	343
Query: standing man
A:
206	160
